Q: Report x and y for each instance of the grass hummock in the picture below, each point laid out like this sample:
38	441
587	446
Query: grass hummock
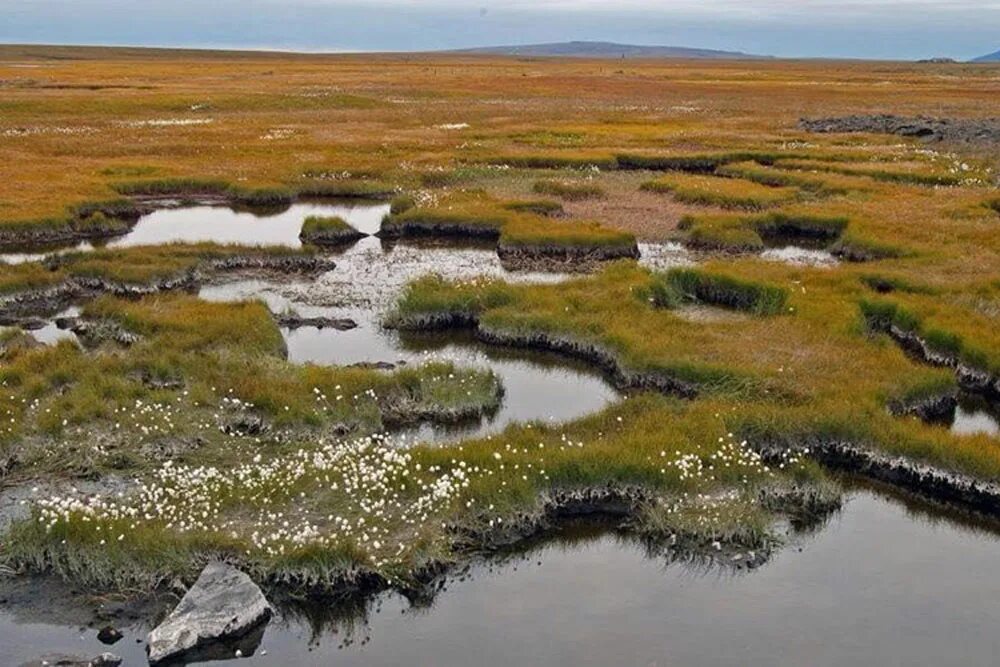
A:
722	192
328	231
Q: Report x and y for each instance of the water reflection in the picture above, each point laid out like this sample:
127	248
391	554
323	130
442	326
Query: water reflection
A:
884	583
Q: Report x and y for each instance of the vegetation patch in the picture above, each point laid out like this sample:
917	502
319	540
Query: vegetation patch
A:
525	237
570	191
855	247
939	337
545	207
328	231
826	185
575	160
680	285
748	233
724	192
917	174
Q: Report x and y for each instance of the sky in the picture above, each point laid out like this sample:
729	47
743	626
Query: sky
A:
890	29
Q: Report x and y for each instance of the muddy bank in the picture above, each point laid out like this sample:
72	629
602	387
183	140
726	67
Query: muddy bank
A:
603	359
971	379
394	229
924	480
561	258
335	238
21	308
920	479
960	130
930	409
105	221
93	222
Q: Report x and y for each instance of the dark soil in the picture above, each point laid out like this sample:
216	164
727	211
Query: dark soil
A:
984	131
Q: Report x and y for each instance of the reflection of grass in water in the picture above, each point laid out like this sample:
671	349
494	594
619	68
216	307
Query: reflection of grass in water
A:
925	511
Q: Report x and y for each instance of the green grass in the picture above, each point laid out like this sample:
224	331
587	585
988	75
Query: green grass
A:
942	328
680	285
212	351
347	188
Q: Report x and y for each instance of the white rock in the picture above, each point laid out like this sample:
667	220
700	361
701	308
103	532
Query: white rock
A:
222	603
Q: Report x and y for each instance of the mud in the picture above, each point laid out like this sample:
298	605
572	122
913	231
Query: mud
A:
902	473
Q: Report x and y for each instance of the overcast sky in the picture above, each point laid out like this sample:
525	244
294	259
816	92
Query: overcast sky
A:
902	29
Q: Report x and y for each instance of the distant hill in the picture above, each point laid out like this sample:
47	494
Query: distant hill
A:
991	58
607	50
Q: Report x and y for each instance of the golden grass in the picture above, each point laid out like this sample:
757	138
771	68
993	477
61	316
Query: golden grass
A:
723	192
462	142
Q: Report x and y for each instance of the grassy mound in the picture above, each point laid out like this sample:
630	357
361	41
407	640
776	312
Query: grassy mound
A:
723	192
570	191
328	230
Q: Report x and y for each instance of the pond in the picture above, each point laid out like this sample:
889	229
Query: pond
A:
882	583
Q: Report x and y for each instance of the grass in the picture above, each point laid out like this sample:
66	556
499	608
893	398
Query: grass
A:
545	207
945	328
748	233
913	174
213	352
794	359
680	285
569	191
515	224
819	184
328	229
723	192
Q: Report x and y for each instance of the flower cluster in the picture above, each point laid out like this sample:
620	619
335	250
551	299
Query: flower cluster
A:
365	492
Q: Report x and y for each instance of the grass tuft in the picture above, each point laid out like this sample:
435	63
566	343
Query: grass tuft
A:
569	191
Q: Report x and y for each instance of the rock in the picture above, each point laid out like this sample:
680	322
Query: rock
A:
377	365
245	425
103	660
223	603
109	635
33	323
291	321
975	131
93	333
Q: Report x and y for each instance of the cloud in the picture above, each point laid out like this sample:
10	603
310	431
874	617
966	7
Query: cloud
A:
848	28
